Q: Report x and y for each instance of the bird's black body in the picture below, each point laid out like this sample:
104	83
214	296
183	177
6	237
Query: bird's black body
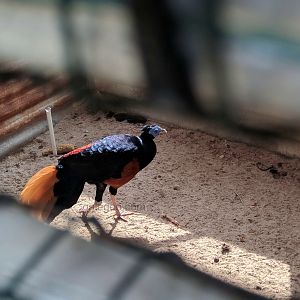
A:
112	160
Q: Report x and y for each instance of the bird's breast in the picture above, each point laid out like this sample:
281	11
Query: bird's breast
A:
128	172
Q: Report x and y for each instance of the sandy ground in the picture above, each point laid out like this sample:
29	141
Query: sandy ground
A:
210	186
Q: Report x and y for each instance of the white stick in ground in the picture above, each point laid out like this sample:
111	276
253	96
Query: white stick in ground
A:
50	125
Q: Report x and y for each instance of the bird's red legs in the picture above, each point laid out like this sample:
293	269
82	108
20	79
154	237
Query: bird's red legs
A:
118	213
100	188
85	210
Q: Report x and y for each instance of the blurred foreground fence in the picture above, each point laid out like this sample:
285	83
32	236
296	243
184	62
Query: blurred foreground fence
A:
237	62
40	262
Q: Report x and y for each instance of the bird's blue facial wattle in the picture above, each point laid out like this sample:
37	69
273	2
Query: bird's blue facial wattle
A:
153	130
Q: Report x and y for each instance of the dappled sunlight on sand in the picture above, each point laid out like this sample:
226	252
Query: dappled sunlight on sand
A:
202	252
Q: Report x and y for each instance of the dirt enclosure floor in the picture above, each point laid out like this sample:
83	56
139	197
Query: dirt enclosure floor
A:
236	222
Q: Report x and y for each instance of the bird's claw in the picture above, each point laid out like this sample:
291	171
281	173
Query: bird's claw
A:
121	216
86	209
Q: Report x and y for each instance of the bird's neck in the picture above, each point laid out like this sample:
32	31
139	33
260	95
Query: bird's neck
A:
146	137
149	149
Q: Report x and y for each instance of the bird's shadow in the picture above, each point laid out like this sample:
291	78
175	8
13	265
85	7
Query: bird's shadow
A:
99	232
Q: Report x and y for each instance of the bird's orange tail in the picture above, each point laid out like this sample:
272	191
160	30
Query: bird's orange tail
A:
38	192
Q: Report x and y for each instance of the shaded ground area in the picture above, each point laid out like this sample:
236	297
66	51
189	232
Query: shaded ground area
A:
236	221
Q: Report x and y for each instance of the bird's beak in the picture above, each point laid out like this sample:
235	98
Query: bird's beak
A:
164	130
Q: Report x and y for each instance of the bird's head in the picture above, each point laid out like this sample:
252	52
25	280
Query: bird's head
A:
153	130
